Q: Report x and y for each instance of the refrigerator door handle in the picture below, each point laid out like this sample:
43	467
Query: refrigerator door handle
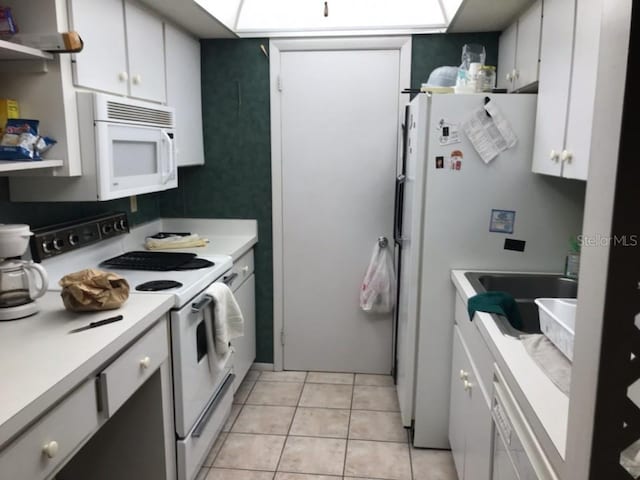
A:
397	214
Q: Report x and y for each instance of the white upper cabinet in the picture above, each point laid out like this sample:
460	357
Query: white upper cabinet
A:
507	56
528	47
583	90
566	92
145	46
123	49
519	50
102	64
184	94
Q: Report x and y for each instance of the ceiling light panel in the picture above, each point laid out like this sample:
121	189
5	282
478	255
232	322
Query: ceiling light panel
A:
308	15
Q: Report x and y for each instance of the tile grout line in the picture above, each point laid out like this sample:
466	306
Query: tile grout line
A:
298	473
286	438
404	442
346	444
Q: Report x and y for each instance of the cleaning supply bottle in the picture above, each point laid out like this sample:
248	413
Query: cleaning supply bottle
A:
572	262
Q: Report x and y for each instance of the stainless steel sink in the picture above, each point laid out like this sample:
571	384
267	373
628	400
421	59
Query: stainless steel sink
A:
525	288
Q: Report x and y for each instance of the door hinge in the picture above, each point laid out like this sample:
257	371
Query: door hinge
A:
282	337
279	83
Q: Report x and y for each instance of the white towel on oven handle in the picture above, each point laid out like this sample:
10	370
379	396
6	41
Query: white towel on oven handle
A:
223	323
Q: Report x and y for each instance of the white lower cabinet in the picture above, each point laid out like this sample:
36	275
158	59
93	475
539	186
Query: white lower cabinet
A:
79	437
134	367
470	425
47	444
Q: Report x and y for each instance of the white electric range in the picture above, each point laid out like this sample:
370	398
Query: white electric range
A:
202	392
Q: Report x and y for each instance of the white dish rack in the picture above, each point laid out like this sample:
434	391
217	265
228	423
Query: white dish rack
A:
557	322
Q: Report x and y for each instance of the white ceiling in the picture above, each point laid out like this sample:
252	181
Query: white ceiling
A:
473	16
487	15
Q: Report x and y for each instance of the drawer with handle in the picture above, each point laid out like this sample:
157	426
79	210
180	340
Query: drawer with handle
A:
240	271
48	443
134	367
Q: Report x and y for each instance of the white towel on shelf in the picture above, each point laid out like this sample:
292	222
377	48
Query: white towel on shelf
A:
223	323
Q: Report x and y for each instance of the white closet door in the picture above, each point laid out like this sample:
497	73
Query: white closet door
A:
339	129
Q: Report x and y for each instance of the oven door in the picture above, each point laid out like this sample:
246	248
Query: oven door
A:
192	450
194	383
134	159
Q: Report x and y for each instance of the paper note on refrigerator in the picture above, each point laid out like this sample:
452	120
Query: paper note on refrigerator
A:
489	132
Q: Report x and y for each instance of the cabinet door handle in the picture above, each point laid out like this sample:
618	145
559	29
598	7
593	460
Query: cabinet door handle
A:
228	280
137	79
123	76
467	385
145	363
554	156
508	77
566	156
516	74
50	449
464	375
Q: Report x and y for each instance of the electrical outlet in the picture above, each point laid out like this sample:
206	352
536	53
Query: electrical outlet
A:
133	204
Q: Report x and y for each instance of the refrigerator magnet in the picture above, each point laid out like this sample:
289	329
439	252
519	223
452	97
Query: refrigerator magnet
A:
449	133
455	160
502	221
439	162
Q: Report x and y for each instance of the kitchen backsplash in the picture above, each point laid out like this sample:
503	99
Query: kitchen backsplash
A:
38	214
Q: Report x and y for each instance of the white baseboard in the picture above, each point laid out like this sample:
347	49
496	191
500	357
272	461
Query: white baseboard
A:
262	366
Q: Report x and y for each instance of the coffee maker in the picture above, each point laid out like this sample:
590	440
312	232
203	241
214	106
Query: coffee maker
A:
21	281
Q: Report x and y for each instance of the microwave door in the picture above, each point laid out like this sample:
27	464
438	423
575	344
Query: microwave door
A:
131	160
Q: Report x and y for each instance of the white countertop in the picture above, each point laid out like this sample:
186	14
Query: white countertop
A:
40	361
549	405
233	237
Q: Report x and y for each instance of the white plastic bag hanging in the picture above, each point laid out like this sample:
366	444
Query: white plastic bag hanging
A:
378	293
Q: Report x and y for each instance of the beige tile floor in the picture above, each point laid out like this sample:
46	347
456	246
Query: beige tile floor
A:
319	426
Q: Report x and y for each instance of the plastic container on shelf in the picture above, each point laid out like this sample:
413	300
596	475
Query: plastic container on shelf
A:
486	78
557	322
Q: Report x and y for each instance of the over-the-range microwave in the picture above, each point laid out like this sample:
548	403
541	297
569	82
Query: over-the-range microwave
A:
127	148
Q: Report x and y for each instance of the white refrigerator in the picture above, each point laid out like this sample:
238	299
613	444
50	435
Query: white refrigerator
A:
456	211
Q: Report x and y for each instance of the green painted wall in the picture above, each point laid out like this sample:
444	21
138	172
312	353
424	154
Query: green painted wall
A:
40	214
235	181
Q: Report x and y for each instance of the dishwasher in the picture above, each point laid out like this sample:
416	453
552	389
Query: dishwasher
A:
517	455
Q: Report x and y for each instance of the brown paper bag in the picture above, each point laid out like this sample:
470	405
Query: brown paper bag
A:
90	290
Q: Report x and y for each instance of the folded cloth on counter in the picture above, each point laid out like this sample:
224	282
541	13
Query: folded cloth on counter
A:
227	323
501	303
175	241
551	360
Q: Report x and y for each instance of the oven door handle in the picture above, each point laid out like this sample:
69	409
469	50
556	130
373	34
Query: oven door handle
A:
200	304
204	420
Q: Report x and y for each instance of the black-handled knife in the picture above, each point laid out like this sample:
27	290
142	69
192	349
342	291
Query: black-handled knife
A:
99	323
